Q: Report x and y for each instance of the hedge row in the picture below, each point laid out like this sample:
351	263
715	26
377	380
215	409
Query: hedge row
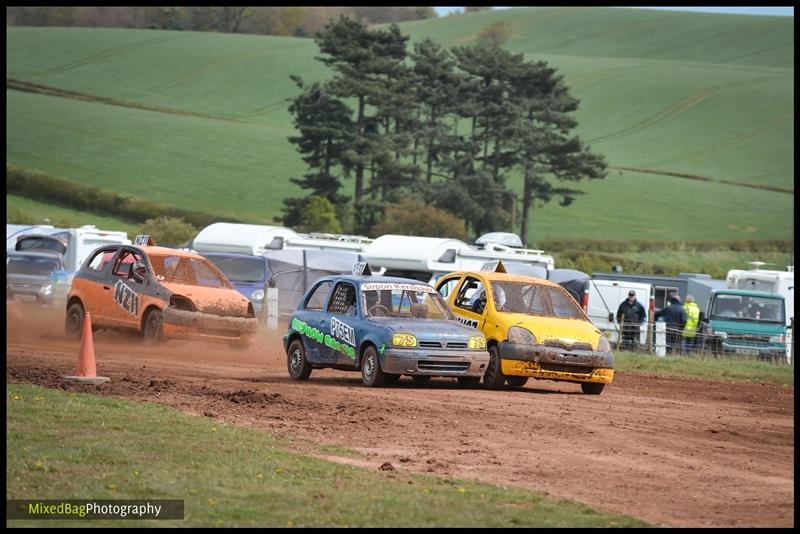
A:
43	187
644	245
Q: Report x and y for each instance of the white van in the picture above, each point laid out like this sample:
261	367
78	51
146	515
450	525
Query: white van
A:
600	299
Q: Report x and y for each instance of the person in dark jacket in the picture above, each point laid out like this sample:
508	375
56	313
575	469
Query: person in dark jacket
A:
630	315
675	317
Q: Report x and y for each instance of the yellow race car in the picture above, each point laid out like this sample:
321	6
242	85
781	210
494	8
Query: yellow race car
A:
533	327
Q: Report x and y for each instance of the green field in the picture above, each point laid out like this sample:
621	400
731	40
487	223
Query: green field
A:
719	104
707	368
65	217
229	476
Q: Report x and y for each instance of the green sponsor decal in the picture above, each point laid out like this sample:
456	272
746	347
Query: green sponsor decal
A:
383	348
308	331
326	339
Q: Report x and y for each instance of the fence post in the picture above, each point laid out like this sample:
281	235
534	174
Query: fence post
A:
661	339
621	329
271	301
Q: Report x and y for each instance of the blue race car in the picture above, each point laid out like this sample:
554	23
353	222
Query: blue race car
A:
385	327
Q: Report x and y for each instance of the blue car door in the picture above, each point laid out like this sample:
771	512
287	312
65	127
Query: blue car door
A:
339	325
311	317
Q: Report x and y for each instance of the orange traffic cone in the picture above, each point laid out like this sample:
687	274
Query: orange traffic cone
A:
87	370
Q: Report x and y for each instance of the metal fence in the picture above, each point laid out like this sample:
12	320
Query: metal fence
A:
663	340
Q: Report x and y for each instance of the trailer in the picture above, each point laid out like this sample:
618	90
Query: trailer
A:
664	286
756	279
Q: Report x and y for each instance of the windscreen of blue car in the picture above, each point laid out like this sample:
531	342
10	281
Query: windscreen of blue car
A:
32	265
241	269
404	301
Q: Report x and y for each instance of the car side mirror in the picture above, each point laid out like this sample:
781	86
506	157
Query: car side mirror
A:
610	317
703	318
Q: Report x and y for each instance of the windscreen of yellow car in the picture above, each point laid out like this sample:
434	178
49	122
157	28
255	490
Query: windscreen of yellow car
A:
414	302
534	299
188	271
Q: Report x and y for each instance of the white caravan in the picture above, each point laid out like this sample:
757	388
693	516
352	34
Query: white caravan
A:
428	258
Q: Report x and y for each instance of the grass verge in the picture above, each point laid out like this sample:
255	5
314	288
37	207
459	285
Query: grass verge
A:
74	446
708	368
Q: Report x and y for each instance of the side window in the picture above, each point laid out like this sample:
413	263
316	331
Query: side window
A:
448	287
318	297
472	296
123	267
100	260
343	300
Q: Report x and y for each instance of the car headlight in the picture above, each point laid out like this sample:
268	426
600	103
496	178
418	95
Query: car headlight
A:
46	290
523	336
258	294
603	345
477	342
723	335
777	339
404	340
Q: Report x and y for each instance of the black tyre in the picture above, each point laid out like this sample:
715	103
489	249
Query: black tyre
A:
296	362
591	388
494	378
73	323
420	378
153	331
469	381
516	381
371	372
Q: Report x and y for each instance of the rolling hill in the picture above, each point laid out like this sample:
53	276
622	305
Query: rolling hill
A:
200	120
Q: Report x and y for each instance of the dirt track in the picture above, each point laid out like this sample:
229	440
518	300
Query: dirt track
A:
672	452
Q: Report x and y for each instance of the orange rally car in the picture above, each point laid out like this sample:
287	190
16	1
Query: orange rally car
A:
161	292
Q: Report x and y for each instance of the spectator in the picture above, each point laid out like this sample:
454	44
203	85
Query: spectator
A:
692	321
634	315
675	317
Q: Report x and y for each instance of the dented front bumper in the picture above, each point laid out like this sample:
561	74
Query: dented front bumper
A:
180	324
553	363
435	363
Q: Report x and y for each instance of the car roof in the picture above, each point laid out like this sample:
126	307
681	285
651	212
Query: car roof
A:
493	276
165	251
358	280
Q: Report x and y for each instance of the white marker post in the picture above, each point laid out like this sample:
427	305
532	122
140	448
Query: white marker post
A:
661	338
271	301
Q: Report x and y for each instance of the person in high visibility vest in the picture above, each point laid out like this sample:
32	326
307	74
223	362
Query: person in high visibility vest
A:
692	321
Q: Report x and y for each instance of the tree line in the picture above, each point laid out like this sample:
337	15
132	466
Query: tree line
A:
444	126
286	21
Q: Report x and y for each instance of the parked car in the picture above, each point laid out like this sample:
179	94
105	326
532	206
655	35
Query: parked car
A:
384	327
248	274
29	276
533	327
161	292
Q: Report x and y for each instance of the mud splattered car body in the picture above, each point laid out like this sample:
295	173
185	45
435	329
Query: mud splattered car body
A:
161	292
533	327
386	327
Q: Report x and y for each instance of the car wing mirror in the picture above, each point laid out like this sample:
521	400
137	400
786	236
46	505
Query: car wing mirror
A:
611	317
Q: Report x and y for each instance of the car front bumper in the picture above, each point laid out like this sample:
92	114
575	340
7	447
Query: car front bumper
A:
179	324
554	363
435	362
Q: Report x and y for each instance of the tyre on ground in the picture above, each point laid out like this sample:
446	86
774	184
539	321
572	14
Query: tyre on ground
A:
298	366
371	373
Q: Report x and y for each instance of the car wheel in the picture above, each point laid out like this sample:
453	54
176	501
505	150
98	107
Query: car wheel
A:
296	362
420	378
153	333
371	372
516	381
469	381
73	323
494	378
592	388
